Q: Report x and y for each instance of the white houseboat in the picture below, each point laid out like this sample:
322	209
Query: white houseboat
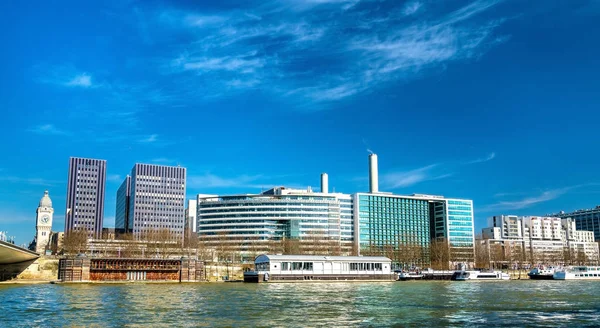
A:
578	273
478	275
314	267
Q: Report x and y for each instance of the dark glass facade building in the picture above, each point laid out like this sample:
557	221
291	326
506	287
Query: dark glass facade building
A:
588	219
85	196
122	223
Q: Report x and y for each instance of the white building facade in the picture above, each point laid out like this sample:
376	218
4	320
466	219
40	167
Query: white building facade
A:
543	239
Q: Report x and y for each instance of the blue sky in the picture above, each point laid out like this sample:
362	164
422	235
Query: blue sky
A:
496	101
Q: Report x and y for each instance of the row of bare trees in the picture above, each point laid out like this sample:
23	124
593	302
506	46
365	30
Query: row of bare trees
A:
225	249
516	255
159	243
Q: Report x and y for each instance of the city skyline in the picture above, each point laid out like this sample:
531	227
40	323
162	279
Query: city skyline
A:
492	101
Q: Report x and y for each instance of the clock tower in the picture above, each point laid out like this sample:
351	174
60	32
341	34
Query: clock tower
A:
43	225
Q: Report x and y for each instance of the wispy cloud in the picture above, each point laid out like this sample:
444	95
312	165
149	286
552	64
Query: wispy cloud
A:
405	178
81	80
149	139
273	46
529	201
47	129
489	157
64	76
411	7
397	180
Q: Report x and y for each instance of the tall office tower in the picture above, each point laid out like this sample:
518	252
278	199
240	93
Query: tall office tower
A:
157	201
85	196
122	223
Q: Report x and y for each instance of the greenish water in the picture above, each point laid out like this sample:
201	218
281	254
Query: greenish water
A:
429	304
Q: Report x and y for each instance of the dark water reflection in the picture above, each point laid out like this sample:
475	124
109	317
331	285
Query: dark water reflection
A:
431	304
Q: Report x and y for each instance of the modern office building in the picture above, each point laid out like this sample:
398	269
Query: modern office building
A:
384	223
122	223
375	223
452	222
85	196
586	219
251	223
157	200
392	223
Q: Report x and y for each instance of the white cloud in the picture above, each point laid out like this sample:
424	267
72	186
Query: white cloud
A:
81	80
149	139
411	7
202	21
238	64
531	200
396	180
322	54
47	129
490	157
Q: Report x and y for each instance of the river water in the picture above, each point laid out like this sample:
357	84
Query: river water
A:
380	304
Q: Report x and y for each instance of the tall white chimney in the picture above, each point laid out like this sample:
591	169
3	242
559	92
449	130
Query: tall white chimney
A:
373	174
324	183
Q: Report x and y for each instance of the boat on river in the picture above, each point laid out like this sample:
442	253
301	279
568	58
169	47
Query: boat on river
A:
410	275
578	273
480	276
542	273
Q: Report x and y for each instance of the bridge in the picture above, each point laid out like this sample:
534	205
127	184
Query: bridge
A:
10	254
14	259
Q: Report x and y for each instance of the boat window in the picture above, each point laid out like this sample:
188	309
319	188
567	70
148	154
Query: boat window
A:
296	265
285	265
307	266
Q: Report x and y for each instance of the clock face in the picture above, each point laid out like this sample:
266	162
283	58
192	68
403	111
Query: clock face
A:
45	219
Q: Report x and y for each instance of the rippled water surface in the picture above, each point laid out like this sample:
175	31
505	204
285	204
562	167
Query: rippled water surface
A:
430	304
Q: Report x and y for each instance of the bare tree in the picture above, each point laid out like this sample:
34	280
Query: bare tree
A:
75	242
439	251
497	256
410	253
482	258
162	243
131	248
